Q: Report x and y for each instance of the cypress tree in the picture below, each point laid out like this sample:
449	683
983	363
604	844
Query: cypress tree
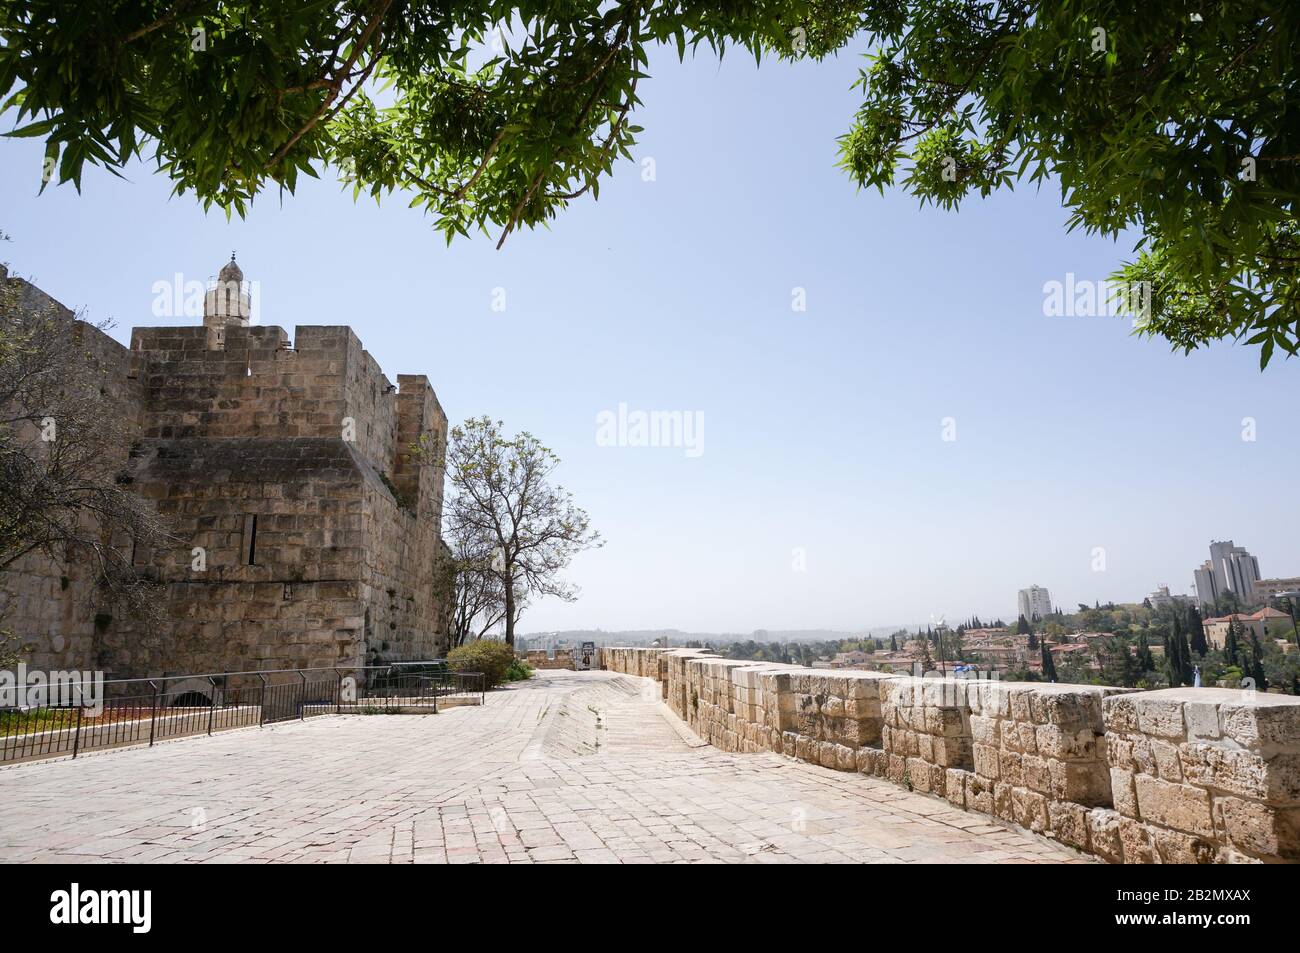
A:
1144	660
1197	630
1230	644
1049	666
1257	663
1184	654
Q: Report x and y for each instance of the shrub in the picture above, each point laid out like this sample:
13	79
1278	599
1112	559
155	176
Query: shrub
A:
491	658
519	671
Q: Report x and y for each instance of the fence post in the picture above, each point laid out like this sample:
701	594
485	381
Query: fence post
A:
338	706
302	698
76	740
212	703
261	701
153	713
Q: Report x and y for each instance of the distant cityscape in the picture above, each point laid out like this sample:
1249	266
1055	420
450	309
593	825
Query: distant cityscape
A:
1234	626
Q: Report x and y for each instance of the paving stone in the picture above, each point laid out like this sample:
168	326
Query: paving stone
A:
569	767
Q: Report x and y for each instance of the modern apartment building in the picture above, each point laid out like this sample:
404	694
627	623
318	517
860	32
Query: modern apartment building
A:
1034	602
1230	568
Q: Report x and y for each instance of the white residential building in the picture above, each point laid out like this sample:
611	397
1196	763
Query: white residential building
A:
1035	602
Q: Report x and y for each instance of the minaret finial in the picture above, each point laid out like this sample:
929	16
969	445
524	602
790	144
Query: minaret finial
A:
232	254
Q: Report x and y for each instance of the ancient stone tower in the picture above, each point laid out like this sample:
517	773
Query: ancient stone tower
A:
304	527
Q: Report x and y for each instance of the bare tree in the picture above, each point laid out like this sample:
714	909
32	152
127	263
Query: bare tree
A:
63	452
503	498
469	585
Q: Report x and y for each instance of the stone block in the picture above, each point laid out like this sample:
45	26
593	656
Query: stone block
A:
918	772
867	760
1120	713
1020	705
1180	806
984	731
1269	725
1259	829
1161	717
938	779
1065	744
1103	835
1069	822
1123	793
1086	783
979	794
1072	711
1175	847
954	787
1136	842
897	769
803	746
1034	774
1202	721
845	758
1030	809
986	761
1003	804
1167	765
925	747
1009	769
1239	772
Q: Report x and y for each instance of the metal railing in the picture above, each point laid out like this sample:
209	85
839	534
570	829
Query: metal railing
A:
144	711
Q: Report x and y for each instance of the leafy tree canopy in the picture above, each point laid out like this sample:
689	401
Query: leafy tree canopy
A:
1174	119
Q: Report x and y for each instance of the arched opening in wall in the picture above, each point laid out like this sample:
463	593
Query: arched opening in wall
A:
191	700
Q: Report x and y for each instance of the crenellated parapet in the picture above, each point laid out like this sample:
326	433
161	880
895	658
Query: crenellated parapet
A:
1170	776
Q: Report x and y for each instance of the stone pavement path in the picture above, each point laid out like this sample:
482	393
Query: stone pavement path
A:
567	767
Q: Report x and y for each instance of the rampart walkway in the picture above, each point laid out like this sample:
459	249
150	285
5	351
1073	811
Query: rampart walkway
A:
570	766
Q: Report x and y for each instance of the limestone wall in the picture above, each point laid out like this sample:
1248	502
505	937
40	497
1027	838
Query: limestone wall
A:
1171	776
303	530
48	601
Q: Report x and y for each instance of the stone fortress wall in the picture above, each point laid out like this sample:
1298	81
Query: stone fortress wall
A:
286	469
1201	775
49	605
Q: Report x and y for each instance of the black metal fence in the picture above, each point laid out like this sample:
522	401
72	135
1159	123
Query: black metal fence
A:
119	712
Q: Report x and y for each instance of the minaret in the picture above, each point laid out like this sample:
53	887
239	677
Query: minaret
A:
227	302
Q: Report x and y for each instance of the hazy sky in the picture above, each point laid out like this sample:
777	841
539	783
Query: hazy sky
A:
825	494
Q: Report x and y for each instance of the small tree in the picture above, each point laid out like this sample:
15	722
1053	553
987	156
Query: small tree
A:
503	496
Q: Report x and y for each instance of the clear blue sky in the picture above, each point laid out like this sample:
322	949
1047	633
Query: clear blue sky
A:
822	429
